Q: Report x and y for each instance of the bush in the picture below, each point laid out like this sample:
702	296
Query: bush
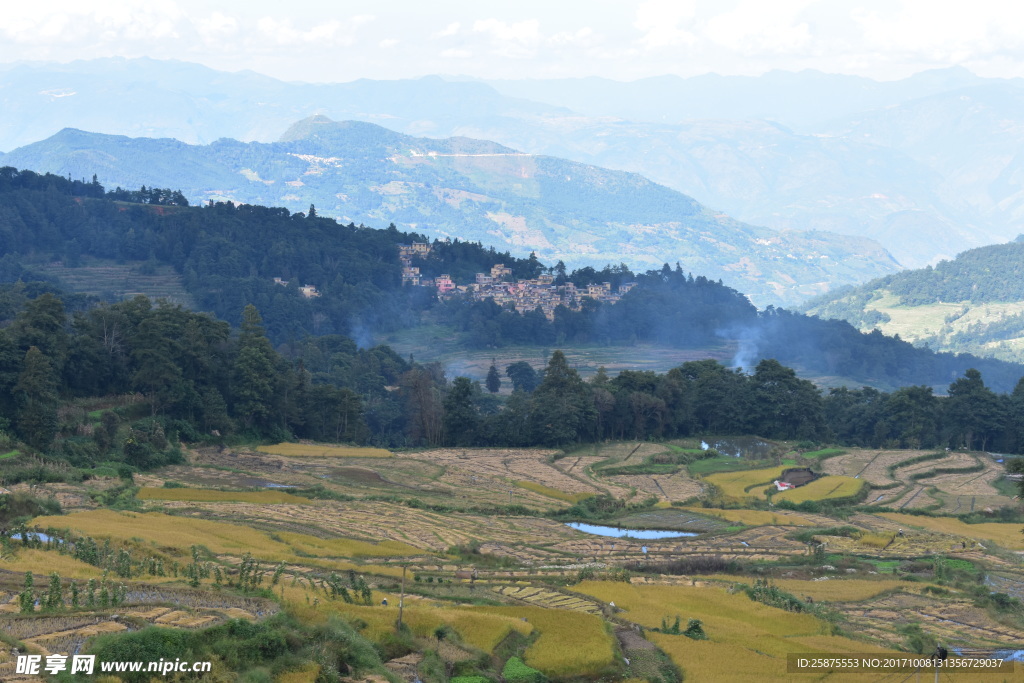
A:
516	671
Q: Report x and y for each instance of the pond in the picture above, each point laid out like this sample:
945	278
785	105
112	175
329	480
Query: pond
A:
36	536
749	447
616	532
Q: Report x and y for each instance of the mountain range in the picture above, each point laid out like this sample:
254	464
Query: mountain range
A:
971	304
924	165
473	190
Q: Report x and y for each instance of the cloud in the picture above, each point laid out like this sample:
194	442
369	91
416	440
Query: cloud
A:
659	21
388	43
455	53
753	27
340	33
449	30
517	40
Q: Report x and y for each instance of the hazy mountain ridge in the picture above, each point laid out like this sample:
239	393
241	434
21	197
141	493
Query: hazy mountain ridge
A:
972	304
835	159
475	190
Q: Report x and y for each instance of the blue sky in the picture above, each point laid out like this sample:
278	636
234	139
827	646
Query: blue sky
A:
623	39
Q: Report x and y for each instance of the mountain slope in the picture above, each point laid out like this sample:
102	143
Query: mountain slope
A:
476	190
972	304
694	135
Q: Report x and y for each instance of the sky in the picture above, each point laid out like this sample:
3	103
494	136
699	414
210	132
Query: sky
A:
342	40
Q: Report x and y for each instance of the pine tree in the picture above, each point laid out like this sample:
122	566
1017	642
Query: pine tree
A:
493	381
254	372
36	397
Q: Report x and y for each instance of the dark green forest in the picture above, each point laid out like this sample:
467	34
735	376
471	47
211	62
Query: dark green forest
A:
228	257
88	384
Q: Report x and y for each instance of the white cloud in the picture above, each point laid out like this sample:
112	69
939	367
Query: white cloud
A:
659	21
388	43
449	30
754	26
517	40
217	27
455	53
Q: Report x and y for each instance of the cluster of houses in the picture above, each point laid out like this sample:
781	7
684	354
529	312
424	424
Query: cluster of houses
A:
308	291
523	295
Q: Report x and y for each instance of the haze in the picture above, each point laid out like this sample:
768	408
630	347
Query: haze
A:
330	42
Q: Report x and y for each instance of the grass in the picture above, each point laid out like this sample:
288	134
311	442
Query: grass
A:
824	453
324	451
1007	535
553	493
214	496
746	484
823	489
721	463
10	454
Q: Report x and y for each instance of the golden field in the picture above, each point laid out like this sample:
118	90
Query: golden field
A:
756	517
346	547
823	489
833	590
747	640
1007	535
746	483
214	496
570	643
309	450
180	533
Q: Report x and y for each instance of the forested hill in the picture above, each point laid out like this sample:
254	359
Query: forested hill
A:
229	255
477	190
974	303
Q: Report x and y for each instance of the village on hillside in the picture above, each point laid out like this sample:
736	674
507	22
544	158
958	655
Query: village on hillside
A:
498	285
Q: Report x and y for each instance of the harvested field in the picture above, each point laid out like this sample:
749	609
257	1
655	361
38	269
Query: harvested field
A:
209	495
870	465
949	620
376	521
543	597
312	450
484	477
666	487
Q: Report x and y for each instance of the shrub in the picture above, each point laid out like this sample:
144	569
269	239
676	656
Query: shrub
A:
516	671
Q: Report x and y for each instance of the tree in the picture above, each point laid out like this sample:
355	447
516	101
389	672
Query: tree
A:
493	381
36	398
254	375
461	420
563	405
973	413
523	376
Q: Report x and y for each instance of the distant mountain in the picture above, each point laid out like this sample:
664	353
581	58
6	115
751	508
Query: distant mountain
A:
476	190
834	156
804	99
972	304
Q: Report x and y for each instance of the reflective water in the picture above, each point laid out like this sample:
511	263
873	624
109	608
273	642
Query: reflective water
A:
749	447
616	532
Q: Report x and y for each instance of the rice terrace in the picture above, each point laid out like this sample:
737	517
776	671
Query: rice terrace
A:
879	552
